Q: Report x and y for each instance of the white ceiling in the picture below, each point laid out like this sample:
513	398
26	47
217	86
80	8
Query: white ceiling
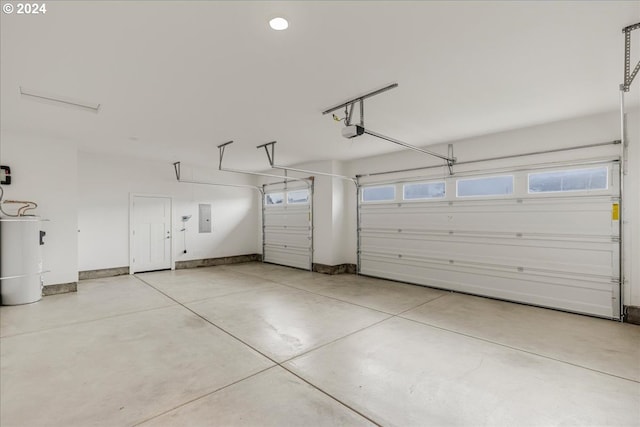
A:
175	79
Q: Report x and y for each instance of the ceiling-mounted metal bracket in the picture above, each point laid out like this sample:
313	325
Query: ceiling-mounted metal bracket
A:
271	155
450	162
352	131
176	168
222	147
221	150
628	74
348	114
360	98
270	149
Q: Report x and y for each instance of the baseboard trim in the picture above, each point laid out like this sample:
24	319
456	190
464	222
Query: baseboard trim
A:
632	314
60	288
102	273
334	269
211	262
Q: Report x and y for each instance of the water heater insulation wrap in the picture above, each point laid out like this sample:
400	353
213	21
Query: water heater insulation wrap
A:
20	260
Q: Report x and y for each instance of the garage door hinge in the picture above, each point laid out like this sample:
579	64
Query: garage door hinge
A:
615	239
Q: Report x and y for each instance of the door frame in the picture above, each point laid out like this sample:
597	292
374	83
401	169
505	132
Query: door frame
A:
132	197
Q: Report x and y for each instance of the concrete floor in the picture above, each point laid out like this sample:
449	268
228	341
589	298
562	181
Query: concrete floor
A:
256	344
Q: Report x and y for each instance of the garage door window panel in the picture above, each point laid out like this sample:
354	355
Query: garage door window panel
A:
272	199
379	194
298	197
569	180
489	186
424	190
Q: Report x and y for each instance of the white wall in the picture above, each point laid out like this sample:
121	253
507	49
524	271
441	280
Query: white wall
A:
44	170
632	210
584	130
105	185
344	214
86	198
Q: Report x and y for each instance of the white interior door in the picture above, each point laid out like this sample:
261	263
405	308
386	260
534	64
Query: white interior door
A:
150	233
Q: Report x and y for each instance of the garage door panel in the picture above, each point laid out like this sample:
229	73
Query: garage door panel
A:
442	270
533	239
511	218
289	237
501	223
452	265
591	297
286	227
552	249
531	201
408	264
293	257
591	258
286	219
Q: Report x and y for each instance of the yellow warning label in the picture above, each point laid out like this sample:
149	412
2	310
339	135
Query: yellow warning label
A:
615	212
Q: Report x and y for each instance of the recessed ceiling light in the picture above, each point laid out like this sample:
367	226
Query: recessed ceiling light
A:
279	24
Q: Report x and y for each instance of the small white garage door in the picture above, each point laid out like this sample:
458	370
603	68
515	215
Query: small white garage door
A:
287	225
544	236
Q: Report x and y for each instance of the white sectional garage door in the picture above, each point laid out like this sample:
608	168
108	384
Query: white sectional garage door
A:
545	236
287	225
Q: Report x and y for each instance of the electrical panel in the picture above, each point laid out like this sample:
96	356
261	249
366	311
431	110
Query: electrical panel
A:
5	175
204	218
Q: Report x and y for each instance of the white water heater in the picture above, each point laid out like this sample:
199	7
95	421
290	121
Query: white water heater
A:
21	271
